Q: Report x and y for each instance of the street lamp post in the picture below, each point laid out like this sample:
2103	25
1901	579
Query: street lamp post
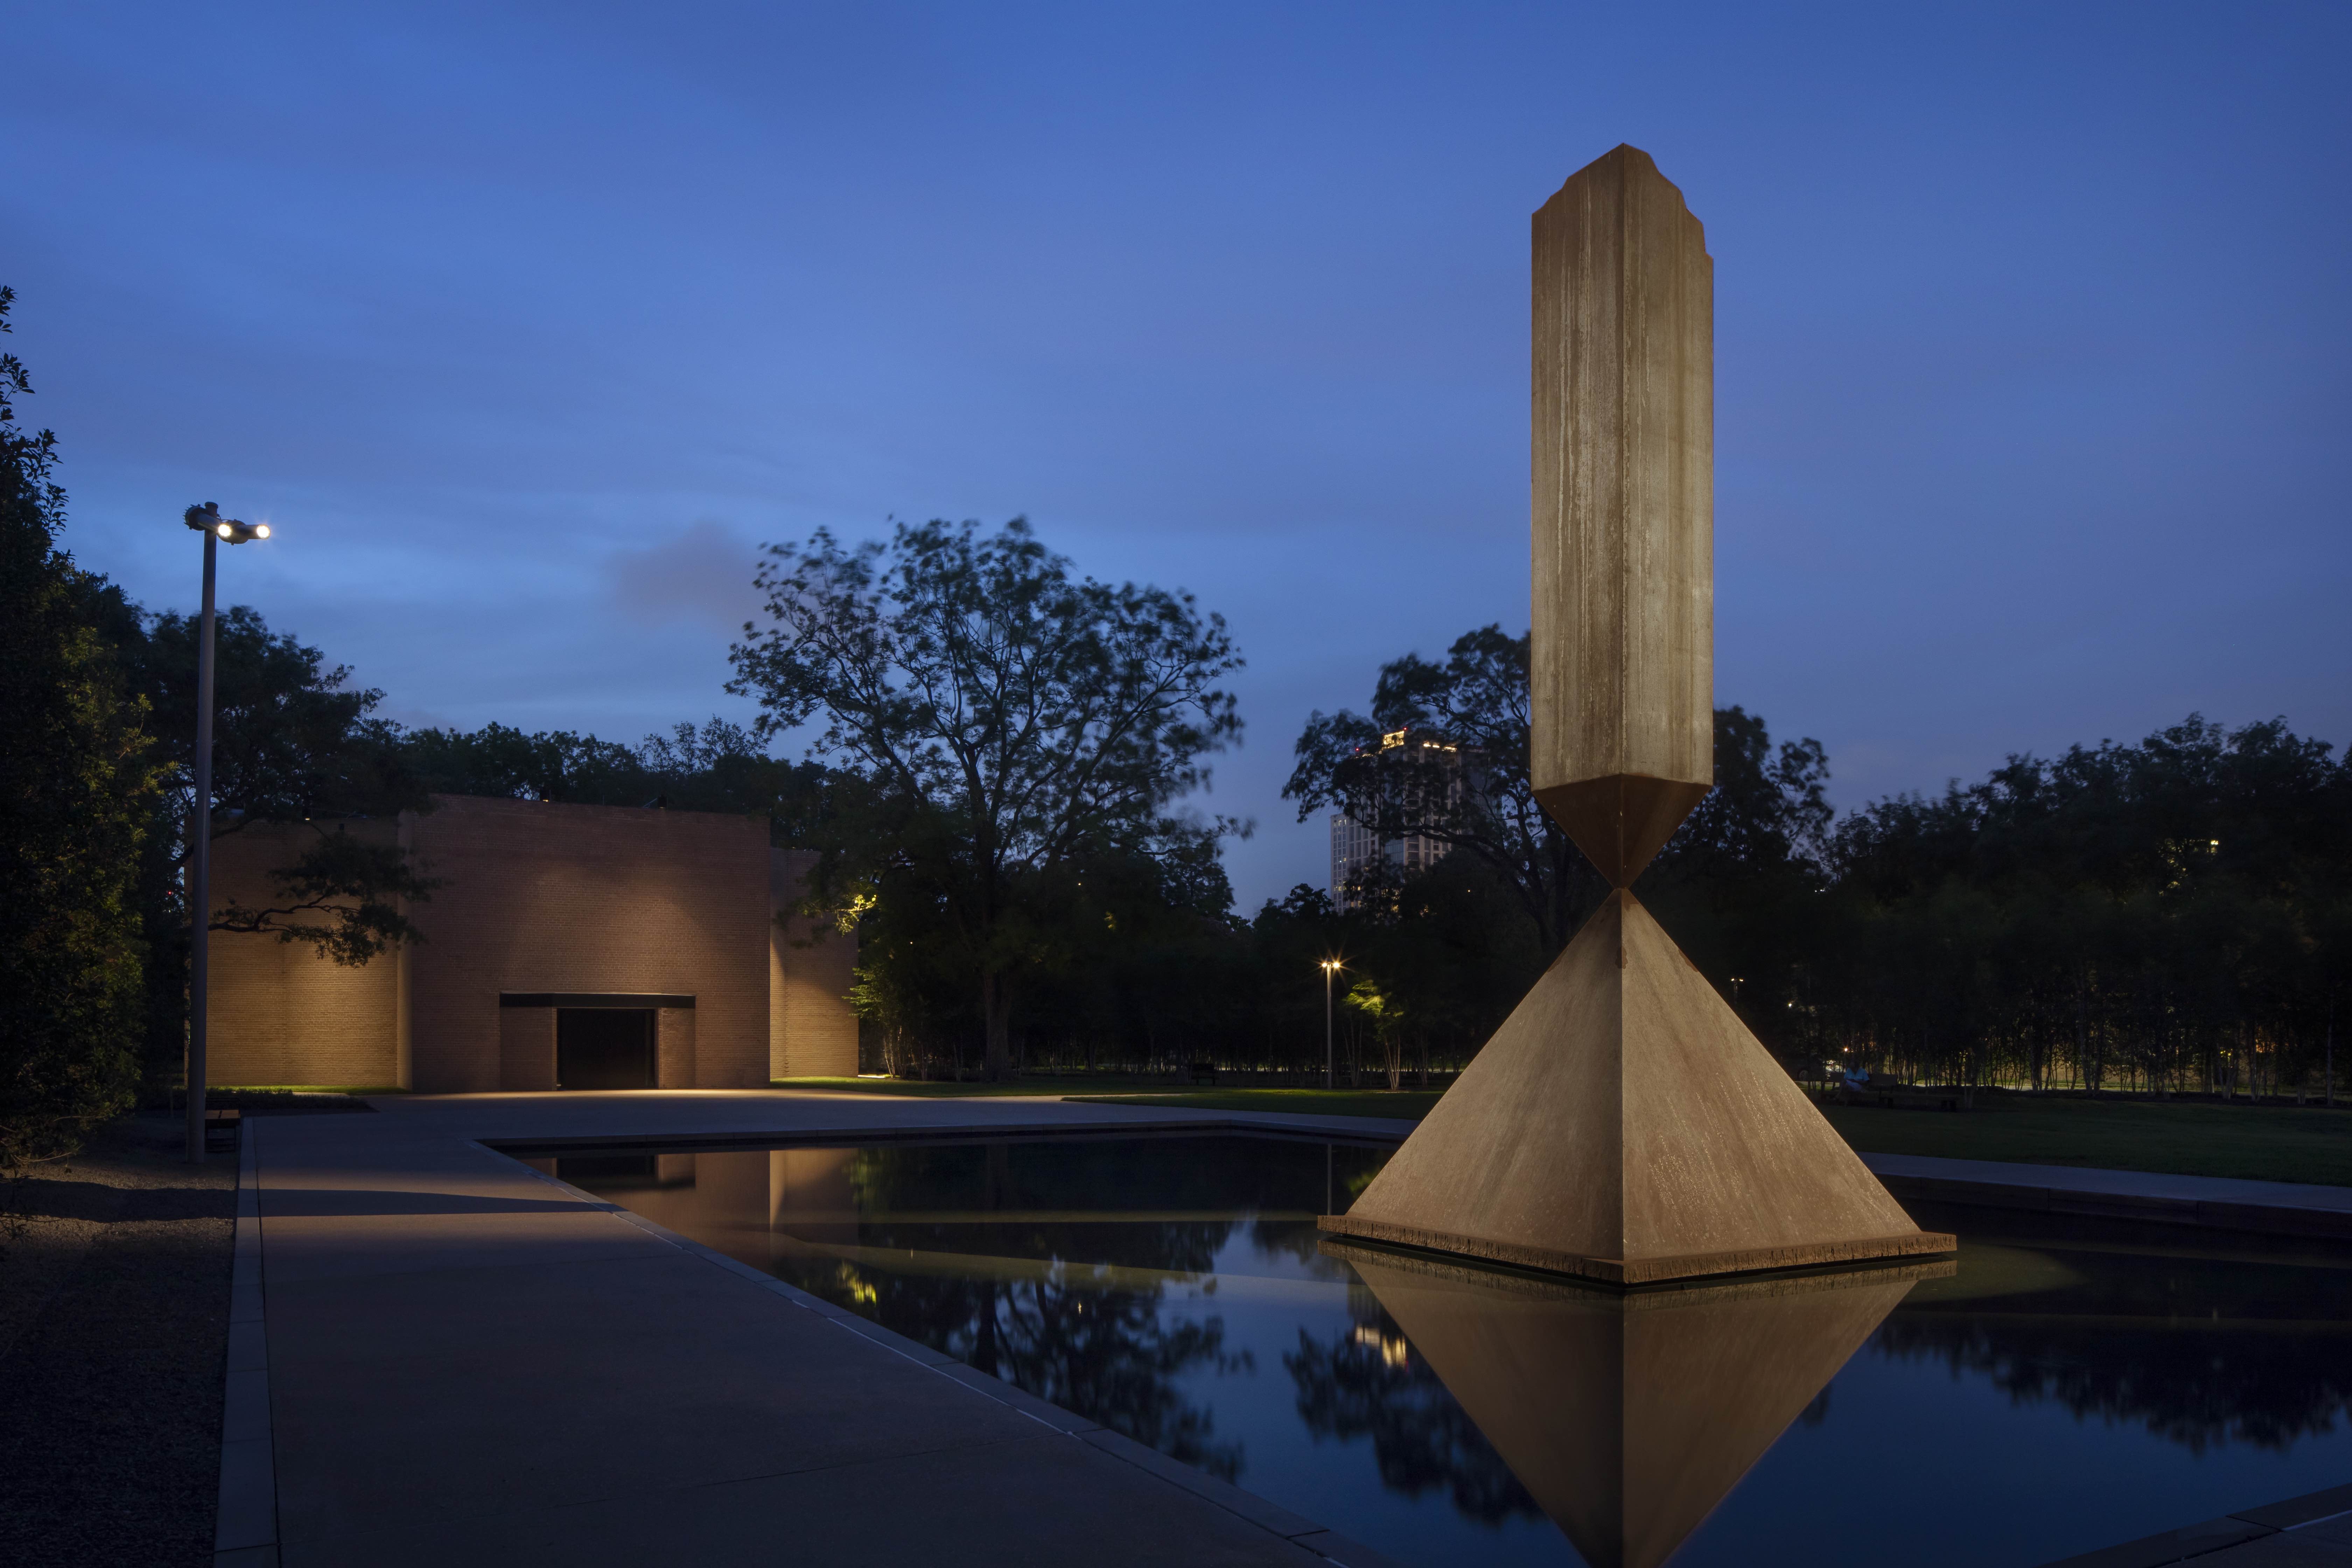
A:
1330	1076
207	520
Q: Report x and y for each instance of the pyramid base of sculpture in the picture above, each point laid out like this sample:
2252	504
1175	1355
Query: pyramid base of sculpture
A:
1623	1126
1644	1271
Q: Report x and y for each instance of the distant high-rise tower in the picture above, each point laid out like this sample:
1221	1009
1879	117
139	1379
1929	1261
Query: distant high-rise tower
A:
1440	776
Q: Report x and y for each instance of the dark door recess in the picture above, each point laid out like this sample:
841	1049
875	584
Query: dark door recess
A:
603	1048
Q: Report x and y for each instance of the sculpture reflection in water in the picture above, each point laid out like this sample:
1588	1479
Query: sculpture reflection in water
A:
1626	1418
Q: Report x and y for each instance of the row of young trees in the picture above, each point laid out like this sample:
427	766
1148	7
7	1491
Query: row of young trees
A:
2173	915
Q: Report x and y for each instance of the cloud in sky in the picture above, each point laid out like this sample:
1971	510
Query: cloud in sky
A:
700	575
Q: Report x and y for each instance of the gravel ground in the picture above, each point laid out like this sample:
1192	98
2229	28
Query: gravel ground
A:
113	1332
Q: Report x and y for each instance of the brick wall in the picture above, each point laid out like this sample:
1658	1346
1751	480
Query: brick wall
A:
811	1032
674	1049
279	1013
526	1048
537	898
588	897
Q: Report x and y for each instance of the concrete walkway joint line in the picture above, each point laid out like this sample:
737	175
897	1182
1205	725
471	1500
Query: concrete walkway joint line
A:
246	1532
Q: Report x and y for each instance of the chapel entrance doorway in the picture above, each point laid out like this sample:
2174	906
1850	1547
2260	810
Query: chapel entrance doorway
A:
603	1048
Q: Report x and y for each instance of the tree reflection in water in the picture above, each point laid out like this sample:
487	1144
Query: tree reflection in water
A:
2196	1387
2204	1339
1066	1268
1367	1383
1109	1355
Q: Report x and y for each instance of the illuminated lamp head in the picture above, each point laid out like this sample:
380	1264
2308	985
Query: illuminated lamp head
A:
206	518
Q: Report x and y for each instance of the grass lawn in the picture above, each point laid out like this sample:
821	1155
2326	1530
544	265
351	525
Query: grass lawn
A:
1045	1085
1103	1089
304	1089
2267	1143
1408	1104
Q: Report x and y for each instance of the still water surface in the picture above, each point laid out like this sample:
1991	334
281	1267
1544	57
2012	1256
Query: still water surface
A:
2065	1385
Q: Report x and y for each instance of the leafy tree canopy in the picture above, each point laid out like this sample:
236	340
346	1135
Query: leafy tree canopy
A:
75	790
1003	723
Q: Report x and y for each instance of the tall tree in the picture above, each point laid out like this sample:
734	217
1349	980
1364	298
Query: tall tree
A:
1007	719
75	790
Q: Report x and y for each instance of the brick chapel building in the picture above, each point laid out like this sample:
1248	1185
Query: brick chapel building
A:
567	947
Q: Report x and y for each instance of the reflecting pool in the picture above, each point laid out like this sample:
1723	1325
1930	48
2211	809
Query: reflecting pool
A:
2062	1385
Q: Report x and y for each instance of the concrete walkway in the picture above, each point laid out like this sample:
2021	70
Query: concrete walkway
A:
466	1362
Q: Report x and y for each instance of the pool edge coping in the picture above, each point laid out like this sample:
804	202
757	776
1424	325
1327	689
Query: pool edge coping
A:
1973	1184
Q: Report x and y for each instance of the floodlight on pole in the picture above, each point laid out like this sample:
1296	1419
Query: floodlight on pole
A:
207	520
1331	966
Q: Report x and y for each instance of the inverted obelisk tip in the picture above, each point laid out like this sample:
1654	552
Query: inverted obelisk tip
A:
1622	655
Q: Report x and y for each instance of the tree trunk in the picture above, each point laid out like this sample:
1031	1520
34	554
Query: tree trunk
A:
2082	1038
983	1346
996	1007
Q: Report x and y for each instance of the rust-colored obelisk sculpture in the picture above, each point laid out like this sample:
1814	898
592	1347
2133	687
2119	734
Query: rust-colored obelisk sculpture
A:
1623	1124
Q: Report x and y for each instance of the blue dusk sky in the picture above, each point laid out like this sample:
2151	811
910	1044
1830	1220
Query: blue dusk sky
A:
525	325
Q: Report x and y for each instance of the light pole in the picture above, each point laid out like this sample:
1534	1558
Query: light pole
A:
207	520
1331	966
